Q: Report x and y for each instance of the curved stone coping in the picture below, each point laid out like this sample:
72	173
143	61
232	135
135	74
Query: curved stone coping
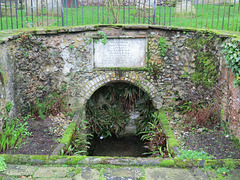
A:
6	35
125	161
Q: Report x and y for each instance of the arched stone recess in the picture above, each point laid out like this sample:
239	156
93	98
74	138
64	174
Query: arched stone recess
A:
128	77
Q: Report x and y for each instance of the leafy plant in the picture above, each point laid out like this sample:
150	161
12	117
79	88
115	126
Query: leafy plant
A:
80	141
13	133
9	106
107	122
3	165
199	114
52	104
162	46
231	50
190	154
156	139
103	37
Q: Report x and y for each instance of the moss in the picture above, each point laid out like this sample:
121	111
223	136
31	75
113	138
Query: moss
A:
172	142
67	137
121	69
167	163
186	163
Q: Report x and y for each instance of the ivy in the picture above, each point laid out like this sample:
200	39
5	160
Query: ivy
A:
231	50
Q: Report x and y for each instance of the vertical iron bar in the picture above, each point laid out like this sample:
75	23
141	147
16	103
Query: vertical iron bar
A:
82	12
42	10
47	10
21	14
223	13
87	11
233	15
197	15
16	14
180	14
139	12
123	12
154	11
37	11
62	13
1	14
218	13
103	9
134	3
128	11
11	14
160	12
57	13
238	15
191	13
71	9
165	13
26	14
213	13
97	11
149	15
92	12
206	25
108	20
229	13
66	12
185	19
76	6
170	15
6	13
202	13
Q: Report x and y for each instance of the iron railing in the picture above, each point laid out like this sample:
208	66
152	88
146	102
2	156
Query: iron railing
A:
209	14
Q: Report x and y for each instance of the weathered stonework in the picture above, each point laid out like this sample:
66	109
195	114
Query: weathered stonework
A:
61	61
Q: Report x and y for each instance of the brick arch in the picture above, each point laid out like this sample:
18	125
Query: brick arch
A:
128	77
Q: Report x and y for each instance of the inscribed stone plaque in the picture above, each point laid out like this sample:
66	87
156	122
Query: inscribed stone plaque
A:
120	53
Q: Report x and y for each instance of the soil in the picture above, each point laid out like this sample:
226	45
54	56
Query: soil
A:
215	142
44	137
46	134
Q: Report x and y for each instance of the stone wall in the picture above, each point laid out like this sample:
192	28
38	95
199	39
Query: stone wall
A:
42	62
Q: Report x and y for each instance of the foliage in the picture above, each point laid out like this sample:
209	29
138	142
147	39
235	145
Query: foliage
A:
3	165
107	122
162	46
156	139
146	110
114	10
205	70
108	108
103	37
9	106
190	154
206	73
231	49
199	114
80	141
2	76
13	133
52	104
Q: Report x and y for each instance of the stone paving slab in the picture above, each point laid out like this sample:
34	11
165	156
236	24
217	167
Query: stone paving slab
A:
130	173
168	174
87	173
20	170
51	172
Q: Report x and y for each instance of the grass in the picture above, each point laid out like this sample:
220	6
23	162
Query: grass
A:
219	16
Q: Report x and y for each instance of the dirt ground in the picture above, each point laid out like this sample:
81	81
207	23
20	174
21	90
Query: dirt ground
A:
44	138
215	142
47	133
